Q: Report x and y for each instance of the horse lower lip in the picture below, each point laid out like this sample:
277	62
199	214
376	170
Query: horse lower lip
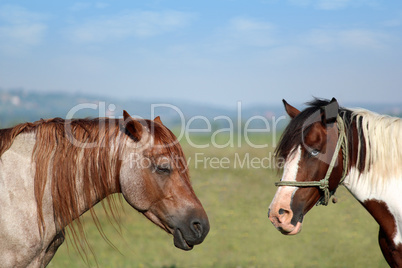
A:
180	242
283	231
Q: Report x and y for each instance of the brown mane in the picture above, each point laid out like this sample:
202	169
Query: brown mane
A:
87	149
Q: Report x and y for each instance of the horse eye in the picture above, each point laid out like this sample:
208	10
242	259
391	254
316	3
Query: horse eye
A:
314	152
163	169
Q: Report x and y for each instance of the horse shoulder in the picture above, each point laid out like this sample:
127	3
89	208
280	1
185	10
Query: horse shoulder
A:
20	240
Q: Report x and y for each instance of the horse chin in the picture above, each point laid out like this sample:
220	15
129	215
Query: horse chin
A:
180	242
293	230
178	238
297	229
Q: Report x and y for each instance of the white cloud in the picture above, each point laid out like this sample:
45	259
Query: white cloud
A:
20	29
26	35
80	6
333	4
394	22
243	32
140	24
101	5
240	24
349	39
13	14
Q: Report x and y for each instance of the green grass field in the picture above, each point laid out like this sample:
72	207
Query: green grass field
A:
236	200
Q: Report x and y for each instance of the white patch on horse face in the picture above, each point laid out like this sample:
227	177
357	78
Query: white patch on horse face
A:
389	192
289	174
292	165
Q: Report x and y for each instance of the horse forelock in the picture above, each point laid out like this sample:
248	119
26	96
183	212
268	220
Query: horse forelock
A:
168	145
297	128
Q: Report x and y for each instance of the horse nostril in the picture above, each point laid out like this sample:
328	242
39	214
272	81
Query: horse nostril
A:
284	215
197	228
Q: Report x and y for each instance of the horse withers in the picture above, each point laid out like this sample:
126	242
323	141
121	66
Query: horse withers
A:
52	171
325	146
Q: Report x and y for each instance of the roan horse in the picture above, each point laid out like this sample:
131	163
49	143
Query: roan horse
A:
325	146
52	171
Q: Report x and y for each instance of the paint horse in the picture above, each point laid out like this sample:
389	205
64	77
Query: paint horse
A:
52	171
325	146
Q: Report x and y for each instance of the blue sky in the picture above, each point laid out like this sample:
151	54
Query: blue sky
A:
217	52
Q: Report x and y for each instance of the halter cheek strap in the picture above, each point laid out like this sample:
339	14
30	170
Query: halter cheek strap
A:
323	184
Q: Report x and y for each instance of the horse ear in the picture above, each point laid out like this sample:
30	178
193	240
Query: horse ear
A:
132	126
330	112
158	120
292	111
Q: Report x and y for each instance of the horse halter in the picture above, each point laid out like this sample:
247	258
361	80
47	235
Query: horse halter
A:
324	183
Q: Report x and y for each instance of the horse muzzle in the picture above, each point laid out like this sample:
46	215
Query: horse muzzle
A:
193	232
285	222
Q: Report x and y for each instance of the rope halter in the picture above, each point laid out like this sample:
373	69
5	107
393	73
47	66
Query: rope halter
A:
323	184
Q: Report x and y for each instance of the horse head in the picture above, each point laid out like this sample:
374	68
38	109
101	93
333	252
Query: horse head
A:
154	179
313	163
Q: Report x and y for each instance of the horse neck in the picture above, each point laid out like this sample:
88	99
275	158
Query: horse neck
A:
375	175
376	154
80	176
99	172
95	183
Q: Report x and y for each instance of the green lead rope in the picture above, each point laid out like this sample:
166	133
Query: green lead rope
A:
323	184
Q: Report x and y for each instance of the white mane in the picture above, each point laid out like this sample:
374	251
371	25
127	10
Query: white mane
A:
383	142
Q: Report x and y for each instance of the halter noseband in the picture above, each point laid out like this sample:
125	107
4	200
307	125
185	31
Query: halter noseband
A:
324	183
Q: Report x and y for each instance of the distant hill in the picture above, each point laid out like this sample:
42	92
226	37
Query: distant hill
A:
22	105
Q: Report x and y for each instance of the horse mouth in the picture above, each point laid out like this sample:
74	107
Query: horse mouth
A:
292	229
180	242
